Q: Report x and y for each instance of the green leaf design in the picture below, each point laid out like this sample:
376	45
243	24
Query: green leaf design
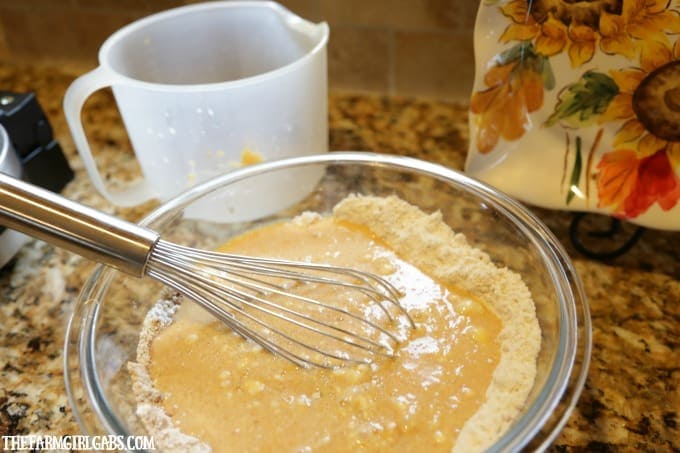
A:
580	102
523	51
525	54
575	172
547	74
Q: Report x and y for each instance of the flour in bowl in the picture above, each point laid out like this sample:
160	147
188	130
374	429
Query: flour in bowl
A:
457	382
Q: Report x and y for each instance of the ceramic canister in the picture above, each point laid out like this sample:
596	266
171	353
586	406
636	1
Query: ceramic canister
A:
576	106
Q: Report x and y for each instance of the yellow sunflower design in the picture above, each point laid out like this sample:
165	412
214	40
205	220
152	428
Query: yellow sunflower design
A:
636	105
642	168
618	27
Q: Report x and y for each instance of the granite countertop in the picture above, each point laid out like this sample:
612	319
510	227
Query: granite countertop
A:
631	398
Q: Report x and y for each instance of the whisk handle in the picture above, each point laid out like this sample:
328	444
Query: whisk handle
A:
75	227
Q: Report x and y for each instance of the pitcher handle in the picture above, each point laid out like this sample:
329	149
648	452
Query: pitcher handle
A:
74	99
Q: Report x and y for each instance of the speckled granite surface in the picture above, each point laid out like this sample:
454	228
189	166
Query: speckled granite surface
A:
631	399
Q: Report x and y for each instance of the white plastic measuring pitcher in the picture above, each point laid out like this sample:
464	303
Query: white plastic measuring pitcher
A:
197	86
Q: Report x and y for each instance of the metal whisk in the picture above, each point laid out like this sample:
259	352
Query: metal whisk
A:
311	314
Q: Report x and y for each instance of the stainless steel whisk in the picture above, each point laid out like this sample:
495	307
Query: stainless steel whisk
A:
273	302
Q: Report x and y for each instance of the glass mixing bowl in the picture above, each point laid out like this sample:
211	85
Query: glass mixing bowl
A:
104	329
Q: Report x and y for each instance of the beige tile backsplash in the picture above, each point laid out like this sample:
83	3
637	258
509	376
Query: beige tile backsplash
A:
420	48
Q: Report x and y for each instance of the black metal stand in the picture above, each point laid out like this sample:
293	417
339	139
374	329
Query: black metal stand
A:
621	244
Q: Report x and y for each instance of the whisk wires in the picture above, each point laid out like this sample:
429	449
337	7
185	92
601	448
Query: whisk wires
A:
311	314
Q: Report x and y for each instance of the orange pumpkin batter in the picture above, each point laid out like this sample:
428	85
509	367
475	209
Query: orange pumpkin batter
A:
234	396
